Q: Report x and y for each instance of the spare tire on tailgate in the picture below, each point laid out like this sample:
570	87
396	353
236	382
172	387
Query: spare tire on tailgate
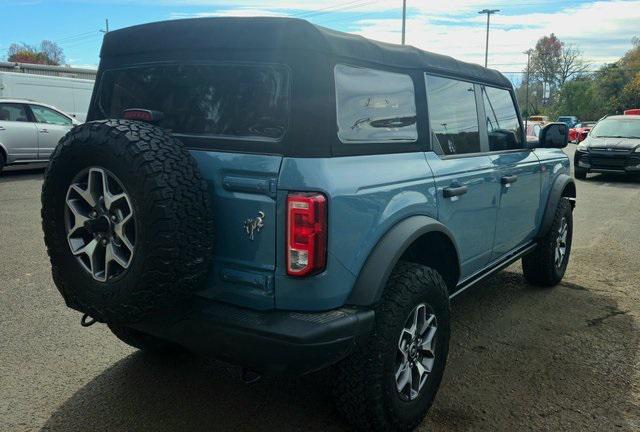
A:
127	221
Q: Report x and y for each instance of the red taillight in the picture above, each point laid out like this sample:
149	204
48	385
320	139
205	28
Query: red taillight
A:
142	115
306	233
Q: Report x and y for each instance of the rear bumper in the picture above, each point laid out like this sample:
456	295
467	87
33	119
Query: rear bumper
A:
268	342
614	161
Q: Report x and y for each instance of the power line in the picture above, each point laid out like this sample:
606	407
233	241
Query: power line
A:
74	37
336	8
349	18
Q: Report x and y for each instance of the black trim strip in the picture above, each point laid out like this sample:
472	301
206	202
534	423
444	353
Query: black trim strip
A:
493	268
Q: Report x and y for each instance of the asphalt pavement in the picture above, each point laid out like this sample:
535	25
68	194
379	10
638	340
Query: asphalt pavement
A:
521	358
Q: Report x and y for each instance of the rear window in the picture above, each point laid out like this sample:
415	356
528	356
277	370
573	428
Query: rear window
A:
221	100
13	112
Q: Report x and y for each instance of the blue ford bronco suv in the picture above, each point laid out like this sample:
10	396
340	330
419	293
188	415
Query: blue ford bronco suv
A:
291	198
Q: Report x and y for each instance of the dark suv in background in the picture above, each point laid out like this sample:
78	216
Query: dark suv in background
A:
612	146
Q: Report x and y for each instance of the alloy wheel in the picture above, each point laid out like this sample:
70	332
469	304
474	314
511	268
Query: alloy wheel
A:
416	352
100	224
561	242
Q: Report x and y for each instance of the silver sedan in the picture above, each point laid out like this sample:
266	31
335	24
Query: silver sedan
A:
29	131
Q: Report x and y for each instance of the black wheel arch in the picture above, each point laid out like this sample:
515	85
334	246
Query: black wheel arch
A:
419	239
563	187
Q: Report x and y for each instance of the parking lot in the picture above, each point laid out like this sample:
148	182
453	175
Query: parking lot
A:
521	358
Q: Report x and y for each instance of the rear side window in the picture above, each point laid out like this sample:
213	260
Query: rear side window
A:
374	106
222	100
453	116
13	112
503	125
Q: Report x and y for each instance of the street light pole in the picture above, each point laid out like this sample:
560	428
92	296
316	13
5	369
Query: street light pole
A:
404	19
486	50
526	103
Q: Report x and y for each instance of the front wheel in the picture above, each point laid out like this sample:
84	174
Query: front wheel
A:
546	265
391	381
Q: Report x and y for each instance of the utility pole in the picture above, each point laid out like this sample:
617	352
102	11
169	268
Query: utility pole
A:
106	28
404	20
489	12
526	103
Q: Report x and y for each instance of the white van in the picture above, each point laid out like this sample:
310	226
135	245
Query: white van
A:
70	95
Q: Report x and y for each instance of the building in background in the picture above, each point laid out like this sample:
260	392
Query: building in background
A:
58	71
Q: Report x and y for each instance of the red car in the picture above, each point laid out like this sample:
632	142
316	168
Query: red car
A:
580	131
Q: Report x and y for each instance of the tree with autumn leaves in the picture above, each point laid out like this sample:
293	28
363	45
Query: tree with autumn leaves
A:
47	53
575	91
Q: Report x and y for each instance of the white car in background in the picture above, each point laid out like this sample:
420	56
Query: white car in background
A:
30	131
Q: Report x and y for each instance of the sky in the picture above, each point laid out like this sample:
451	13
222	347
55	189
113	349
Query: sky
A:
602	30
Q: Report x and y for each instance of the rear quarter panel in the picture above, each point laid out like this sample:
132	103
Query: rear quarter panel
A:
367	195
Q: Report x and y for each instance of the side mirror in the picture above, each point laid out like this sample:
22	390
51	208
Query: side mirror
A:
554	135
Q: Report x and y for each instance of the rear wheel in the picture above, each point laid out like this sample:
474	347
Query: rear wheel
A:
2	161
127	221
546	265
391	381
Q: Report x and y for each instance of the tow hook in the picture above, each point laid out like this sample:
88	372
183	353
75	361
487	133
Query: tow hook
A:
249	376
87	321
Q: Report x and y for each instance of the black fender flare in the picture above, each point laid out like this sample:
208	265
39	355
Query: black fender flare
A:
376	270
559	185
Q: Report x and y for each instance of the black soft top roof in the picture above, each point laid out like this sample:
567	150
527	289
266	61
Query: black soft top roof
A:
266	33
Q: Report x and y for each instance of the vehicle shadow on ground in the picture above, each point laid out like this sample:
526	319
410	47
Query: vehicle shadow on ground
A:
12	174
521	358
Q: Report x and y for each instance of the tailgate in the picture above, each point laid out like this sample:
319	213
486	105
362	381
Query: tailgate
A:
243	187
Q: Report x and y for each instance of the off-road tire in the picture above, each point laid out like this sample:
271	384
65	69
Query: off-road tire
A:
145	342
539	267
364	386
173	211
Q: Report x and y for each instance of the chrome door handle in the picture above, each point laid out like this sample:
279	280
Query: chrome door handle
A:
44	130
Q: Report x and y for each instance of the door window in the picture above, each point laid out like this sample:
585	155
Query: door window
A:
503	125
375	106
453	116
13	112
49	116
